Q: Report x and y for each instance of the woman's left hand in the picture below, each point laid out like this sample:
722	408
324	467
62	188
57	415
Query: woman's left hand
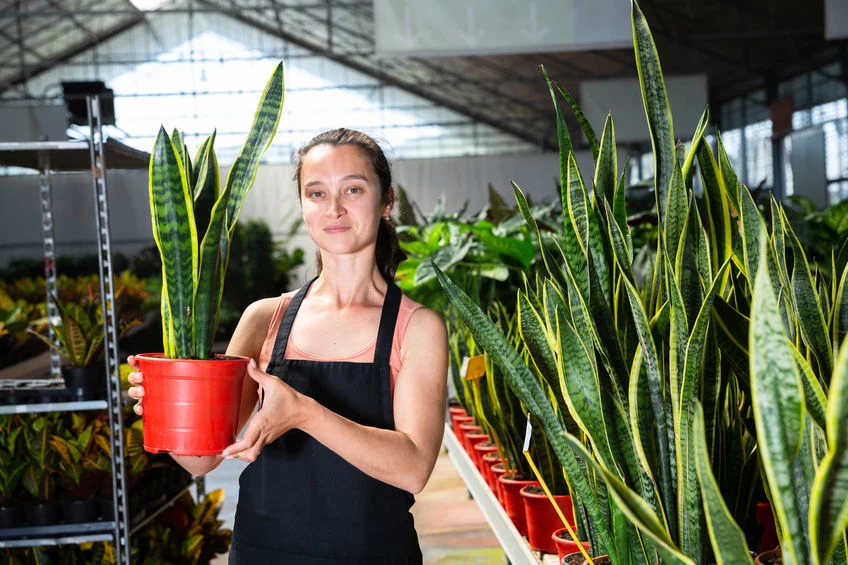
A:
280	409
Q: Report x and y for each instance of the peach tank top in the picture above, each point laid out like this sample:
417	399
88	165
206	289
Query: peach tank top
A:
365	355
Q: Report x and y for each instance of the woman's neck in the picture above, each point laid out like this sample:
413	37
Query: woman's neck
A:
343	282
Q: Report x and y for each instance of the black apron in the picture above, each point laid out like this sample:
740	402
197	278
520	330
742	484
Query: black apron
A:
300	503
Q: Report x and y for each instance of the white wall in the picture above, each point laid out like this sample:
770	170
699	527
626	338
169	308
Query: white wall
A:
272	198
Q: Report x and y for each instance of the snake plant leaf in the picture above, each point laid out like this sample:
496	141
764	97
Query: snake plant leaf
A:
810	315
718	210
655	99
731	181
779	242
575	240
586	226
213	260
726	537
588	131
172	210
753	228
778	412
688	491
676	213
636	510
606	166
168	338
840	310
732	336
619	212
206	183
262	131
697	140
814	398
677	339
182	151
534	335
655	385
829	500
526	387
582	391
566	148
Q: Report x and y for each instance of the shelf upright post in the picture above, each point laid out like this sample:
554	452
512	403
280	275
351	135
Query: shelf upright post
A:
49	245
110	342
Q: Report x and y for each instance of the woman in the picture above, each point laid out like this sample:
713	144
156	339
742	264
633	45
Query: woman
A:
349	426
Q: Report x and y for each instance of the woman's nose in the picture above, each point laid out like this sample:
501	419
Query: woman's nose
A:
336	207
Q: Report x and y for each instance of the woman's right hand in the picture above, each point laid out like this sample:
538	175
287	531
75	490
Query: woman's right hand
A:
136	379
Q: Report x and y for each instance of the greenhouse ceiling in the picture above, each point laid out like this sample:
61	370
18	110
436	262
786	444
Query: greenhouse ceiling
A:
741	45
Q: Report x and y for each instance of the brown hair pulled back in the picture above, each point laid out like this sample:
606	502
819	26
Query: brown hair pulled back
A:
388	254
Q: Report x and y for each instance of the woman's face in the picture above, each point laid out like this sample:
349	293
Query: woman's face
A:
340	197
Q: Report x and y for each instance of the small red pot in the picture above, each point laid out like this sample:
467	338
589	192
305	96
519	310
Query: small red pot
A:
473	440
490	459
542	518
456	411
513	503
565	545
498	471
480	450
765	518
191	406
464	430
457	421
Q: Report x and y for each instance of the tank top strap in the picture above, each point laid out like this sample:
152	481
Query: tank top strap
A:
388	321
282	338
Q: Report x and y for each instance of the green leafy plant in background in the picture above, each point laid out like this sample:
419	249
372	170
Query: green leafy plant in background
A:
12	464
194	265
656	371
79	332
39	478
83	450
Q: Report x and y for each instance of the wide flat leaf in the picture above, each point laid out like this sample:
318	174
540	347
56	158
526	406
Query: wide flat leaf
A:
778	411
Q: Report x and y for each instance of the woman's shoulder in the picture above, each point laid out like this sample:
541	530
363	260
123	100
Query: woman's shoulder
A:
262	311
420	320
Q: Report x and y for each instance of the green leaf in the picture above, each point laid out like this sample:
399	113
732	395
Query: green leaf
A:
727	539
778	412
606	168
718	210
829	499
814	398
656	104
527	389
697	140
591	138
174	231
262	131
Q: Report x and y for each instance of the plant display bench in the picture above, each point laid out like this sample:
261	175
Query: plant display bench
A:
514	545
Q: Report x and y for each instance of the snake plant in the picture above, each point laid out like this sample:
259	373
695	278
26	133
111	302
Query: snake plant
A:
194	264
663	375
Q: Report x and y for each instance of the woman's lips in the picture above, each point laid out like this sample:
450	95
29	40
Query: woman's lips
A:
336	229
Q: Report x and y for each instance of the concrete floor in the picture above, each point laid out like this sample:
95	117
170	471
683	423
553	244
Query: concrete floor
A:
451	528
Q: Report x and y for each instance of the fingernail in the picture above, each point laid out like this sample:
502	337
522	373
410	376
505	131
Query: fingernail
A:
253	363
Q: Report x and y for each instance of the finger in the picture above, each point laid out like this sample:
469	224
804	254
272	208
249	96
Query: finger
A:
138	409
136	392
132	361
251	434
135	378
255	373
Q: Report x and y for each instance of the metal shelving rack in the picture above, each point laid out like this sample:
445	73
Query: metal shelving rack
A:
65	152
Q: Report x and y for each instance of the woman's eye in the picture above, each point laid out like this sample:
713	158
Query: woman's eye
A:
314	194
354	190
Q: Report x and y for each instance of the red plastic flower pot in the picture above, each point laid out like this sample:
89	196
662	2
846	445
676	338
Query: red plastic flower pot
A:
498	471
464	430
512	501
490	459
472	440
542	518
565	545
765	518
456	411
191	406
481	449
457	421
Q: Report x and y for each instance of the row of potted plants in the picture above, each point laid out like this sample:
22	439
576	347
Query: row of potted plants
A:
187	533
680	384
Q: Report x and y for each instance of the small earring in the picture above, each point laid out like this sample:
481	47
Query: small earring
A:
387	218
